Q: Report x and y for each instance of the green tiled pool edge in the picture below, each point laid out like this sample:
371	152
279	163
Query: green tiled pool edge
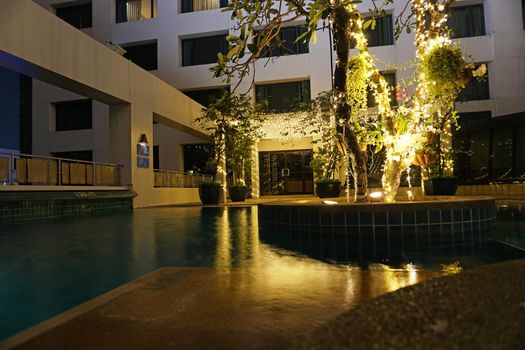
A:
41	205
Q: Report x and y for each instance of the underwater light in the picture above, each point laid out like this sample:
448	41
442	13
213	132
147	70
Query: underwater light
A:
329	202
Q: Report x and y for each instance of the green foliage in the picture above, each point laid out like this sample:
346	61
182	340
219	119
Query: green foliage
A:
357	84
233	121
444	67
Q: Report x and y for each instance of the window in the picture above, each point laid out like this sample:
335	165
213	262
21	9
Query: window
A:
73	115
143	55
391	81
135	10
197	157
201	5
79	16
523	11
207	96
475	90
203	50
383	33
283	97
489	149
76	155
289	46
467	21
156	157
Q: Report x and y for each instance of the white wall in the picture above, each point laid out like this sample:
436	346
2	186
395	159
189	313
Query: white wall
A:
503	48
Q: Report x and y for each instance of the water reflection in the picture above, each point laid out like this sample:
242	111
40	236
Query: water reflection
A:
48	267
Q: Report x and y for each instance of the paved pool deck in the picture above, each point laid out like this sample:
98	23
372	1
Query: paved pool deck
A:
202	308
483	308
181	308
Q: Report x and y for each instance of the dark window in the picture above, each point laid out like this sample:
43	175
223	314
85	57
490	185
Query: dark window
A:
203	50
79	16
206	97
144	55
476	89
26	114
391	81
289	46
156	157
382	34
489	149
75	115
201	5
467	21
471	146
76	155
519	148
523	12
502	145
197	157
283	97
135	10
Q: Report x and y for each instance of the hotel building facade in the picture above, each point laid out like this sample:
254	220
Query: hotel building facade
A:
178	41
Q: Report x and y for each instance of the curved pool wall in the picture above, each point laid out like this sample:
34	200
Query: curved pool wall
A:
24	206
427	220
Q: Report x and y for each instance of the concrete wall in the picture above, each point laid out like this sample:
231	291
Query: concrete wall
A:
503	48
37	43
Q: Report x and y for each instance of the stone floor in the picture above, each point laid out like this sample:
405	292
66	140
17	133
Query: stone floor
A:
179	308
482	308
187	308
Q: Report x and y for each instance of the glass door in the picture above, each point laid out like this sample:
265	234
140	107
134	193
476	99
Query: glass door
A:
285	172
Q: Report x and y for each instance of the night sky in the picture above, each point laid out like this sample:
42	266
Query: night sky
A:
9	92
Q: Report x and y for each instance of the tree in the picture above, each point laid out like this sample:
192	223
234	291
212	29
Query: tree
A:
233	122
398	130
272	16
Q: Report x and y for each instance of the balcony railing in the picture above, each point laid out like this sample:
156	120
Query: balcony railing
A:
178	179
26	169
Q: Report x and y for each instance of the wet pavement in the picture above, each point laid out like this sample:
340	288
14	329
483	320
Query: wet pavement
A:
483	308
187	308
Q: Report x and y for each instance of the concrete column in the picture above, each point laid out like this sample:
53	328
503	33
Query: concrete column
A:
120	143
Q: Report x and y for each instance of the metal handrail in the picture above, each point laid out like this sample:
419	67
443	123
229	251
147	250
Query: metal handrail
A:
25	173
58	158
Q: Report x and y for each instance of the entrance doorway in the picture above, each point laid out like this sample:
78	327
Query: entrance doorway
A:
285	172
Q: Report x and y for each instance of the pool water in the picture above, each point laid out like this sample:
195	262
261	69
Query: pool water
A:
49	267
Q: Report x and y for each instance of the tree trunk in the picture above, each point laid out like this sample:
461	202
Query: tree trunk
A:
357	161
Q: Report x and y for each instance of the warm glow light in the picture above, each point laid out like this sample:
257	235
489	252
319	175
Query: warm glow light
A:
376	195
330	202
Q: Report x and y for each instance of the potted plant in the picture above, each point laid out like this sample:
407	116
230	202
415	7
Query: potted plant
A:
435	159
328	188
441	185
446	69
326	185
210	192
233	122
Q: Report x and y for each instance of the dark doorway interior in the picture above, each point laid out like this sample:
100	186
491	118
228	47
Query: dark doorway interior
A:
286	172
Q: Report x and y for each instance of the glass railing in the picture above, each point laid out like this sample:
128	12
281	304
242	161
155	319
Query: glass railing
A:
179	179
26	169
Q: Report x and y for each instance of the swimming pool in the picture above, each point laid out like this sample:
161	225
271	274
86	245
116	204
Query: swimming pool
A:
49	267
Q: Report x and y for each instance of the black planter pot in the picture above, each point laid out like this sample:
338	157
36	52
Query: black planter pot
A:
441	186
328	189
237	194
209	194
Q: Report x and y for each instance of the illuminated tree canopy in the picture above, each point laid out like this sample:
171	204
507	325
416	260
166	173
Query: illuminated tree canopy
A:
402	130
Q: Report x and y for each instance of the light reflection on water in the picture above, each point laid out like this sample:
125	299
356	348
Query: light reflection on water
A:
49	267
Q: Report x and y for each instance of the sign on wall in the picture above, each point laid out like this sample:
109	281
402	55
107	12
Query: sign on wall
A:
142	155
